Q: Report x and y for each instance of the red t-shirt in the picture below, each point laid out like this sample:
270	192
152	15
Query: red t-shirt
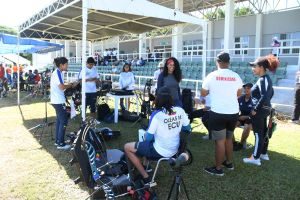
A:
2	72
37	78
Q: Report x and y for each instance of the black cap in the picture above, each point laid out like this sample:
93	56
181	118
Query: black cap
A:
223	57
261	61
249	85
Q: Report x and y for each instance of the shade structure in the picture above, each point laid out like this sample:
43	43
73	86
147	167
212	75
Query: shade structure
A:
106	18
96	20
9	45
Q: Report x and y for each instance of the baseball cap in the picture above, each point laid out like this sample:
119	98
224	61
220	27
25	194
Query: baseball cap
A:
223	57
248	85
261	61
159	65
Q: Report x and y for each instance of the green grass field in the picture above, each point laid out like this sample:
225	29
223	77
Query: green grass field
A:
33	169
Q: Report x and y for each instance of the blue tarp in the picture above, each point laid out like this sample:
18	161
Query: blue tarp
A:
8	45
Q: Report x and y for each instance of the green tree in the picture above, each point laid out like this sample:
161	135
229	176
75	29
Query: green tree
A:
8	30
243	11
220	13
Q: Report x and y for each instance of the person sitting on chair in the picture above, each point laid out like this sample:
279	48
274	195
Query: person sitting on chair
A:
246	106
203	113
163	134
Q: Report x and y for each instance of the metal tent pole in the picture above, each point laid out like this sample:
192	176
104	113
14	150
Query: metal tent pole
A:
18	66
83	56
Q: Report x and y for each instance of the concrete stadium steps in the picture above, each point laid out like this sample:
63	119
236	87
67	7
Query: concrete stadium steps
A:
191	70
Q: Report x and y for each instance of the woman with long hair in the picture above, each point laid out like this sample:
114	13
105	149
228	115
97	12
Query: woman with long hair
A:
171	77
126	81
261	93
163	134
58	99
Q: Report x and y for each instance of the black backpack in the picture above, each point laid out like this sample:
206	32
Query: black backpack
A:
103	111
187	100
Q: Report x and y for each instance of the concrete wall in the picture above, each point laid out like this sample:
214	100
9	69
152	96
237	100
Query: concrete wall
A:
129	47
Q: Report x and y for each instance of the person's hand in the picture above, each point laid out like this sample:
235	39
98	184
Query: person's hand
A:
253	113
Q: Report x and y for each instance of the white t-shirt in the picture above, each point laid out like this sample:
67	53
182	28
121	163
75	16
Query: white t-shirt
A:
126	80
223	85
166	129
90	87
57	95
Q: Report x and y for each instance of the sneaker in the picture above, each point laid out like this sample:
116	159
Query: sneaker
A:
214	171
147	180
64	147
295	121
96	122
148	168
252	160
205	137
55	144
228	165
264	157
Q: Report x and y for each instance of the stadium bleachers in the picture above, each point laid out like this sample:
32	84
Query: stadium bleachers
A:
190	71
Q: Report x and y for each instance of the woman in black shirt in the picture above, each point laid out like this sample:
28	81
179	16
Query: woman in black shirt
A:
262	93
171	77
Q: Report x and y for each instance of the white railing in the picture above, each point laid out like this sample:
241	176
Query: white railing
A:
237	55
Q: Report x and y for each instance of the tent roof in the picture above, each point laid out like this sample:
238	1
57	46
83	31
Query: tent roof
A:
9	45
193	5
63	19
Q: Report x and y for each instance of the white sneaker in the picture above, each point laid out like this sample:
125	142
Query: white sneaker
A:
264	157
295	121
97	122
65	147
205	137
252	160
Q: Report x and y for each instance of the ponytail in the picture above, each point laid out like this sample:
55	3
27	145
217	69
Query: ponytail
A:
273	62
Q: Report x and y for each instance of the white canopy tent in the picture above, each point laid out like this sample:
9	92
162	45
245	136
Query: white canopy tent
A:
101	19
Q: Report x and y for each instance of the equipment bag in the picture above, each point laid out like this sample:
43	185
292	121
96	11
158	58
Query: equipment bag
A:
129	116
103	111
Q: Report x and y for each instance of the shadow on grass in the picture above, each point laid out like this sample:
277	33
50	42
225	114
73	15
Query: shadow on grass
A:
275	179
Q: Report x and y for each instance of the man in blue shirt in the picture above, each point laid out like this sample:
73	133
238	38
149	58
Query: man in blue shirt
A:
246	106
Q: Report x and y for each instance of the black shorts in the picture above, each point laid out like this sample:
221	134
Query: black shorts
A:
146	149
91	99
222	125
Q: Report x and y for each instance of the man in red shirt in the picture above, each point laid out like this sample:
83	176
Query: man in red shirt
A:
3	79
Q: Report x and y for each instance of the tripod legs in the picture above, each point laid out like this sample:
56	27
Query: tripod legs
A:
177	181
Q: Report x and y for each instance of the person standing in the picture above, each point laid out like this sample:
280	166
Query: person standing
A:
171	77
262	93
296	112
224	87
91	78
275	46
126	82
58	99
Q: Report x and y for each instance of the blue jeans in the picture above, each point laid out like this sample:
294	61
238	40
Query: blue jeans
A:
61	123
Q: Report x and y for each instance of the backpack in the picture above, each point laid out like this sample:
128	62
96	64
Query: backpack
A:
103	111
129	116
187	100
